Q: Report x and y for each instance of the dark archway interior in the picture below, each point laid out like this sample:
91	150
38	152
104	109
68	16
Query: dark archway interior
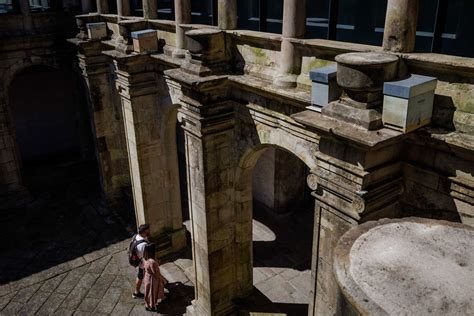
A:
51	127
283	215
64	217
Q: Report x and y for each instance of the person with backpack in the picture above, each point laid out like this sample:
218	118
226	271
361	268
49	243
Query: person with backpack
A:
135	255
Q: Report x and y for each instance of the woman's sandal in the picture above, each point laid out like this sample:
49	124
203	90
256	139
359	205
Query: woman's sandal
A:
152	309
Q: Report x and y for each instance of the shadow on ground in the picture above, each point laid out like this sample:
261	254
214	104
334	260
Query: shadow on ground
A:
63	220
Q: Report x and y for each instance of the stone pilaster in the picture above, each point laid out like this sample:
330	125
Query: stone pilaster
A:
294	24
182	11
400	26
106	120
227	14
152	154
347	195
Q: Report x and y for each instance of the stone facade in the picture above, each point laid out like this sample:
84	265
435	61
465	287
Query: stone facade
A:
219	84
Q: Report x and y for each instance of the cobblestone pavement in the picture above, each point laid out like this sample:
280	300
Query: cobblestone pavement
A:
65	254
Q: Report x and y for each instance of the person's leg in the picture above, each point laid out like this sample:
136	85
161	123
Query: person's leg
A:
138	283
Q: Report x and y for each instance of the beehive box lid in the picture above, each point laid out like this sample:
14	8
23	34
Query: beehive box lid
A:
323	74
410	87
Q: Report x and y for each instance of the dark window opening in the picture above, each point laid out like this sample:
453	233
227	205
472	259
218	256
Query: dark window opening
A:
166	10
202	12
261	15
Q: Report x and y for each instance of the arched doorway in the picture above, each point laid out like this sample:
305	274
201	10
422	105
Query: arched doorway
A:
274	197
51	127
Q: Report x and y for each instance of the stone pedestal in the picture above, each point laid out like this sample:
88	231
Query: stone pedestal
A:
361	76
206	52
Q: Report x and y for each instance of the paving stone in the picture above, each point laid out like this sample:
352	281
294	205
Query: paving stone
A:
5	289
71	280
108	301
88	304
88	280
35	302
99	265
112	267
122	309
5	299
101	285
63	312
25	294
12	308
51	304
74	298
139	310
122	282
51	284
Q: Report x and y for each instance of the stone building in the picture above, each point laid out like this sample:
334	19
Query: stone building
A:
239	99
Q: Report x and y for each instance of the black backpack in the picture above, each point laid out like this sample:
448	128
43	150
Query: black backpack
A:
133	258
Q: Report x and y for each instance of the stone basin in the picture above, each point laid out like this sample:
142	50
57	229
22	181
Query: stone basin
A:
365	71
408	266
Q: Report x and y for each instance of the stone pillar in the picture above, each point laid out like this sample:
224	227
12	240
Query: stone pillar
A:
26	12
400	26
107	126
227	14
221	259
294	24
11	191
152	154
86	6
150	9
182	9
123	8
102	6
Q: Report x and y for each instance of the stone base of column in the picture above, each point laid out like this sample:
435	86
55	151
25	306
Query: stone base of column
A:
285	81
170	242
370	119
195	310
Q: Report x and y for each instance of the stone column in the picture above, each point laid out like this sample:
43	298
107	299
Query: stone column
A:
294	24
86	6
107	126
150	9
102	6
123	8
182	9
149	118
400	26
26	12
227	14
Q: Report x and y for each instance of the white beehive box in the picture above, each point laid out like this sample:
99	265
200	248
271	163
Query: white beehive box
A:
145	41
408	103
324	87
96	31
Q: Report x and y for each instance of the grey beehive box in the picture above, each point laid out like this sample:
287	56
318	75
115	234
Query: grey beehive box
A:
324	87
408	103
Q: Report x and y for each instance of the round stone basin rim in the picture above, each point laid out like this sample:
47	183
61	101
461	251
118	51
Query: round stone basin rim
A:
203	32
366	59
407	266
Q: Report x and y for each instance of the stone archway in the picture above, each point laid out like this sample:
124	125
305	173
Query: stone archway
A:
247	227
47	120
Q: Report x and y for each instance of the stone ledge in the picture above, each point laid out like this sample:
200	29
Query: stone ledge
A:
338	129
